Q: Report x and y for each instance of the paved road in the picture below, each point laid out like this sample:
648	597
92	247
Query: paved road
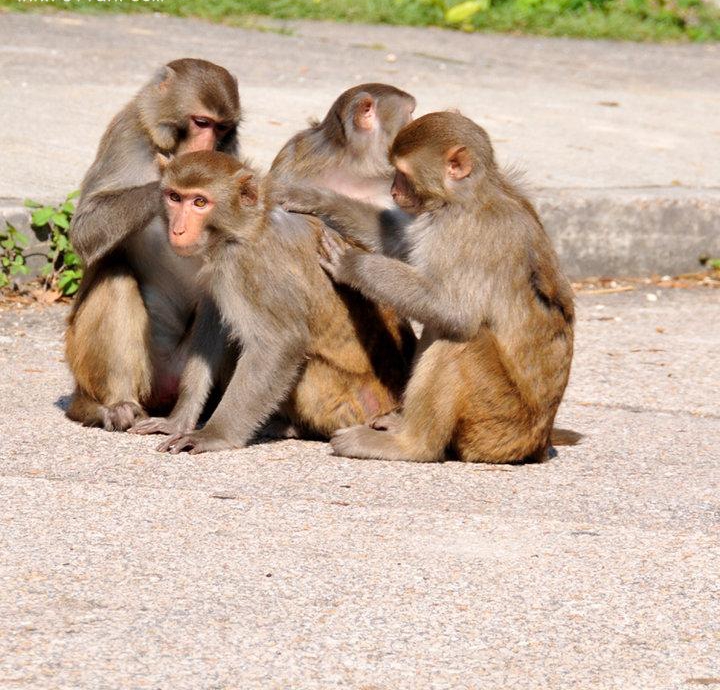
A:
280	566
617	138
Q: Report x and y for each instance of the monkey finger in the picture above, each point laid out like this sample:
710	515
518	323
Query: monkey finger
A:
327	266
169	444
152	425
331	246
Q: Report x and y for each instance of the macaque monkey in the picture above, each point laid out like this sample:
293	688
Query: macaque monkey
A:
482	277
347	151
126	338
324	357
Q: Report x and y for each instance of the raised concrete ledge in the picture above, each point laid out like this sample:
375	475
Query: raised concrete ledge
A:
631	231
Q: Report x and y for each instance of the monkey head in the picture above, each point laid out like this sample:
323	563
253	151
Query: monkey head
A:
191	105
439	158
209	196
366	118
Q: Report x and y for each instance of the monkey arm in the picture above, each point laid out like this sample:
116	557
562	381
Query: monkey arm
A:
208	348
378	229
401	286
104	219
261	380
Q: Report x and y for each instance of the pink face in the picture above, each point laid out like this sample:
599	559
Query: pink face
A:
204	134
187	214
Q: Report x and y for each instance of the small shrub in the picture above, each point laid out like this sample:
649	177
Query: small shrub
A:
12	254
63	270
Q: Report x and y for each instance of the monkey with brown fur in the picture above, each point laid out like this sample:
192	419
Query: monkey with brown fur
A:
126	339
347	151
482	277
323	355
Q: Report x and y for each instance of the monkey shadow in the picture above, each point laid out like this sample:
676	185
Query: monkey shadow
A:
551	454
63	402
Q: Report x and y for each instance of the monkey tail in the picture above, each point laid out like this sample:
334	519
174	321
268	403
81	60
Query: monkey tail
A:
565	437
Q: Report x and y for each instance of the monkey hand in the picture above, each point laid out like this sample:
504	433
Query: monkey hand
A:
195	442
161	425
335	254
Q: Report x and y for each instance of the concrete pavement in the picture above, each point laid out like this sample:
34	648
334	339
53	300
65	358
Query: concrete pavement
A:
280	566
619	140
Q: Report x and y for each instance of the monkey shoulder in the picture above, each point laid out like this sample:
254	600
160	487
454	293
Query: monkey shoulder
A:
125	157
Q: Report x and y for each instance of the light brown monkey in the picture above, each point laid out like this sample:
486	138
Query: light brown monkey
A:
347	151
324	356
483	279
125	340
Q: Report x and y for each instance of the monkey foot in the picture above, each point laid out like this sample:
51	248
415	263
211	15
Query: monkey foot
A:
121	416
388	422
194	443
159	425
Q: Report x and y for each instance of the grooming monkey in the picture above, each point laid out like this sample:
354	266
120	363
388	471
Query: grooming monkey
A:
347	151
483	279
125	342
324	357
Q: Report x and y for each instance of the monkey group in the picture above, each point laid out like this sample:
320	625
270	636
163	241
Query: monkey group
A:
220	306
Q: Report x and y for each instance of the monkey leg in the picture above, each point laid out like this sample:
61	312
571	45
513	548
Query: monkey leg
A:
427	422
495	423
327	398
107	346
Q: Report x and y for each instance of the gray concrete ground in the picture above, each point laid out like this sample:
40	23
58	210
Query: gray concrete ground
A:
280	566
619	140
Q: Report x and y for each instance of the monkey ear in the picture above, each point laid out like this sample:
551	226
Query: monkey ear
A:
163	77
246	187
365	113
162	161
457	163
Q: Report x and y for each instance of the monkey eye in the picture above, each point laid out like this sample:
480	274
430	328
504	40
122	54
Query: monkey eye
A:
202	122
174	196
200	201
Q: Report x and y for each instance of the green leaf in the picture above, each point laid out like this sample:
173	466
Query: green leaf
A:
20	239
62	243
73	195
60	219
714	263
4	282
68	208
42	216
7	244
64	280
29	203
465	10
72	289
46	270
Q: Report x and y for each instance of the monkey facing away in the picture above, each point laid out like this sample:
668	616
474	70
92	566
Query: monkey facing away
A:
125	342
482	277
324	356
347	151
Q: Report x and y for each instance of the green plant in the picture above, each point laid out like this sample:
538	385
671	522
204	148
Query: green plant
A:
12	254
63	269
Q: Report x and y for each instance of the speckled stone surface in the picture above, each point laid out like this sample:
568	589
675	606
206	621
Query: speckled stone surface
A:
280	566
